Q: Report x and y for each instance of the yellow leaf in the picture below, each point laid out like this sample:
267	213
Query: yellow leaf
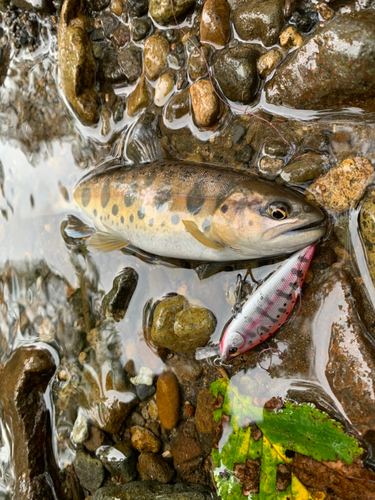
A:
299	492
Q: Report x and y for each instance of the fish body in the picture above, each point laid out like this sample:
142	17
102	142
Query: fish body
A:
196	212
268	307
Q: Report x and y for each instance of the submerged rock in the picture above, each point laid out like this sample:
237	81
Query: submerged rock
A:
367	229
155	56
140	98
181	328
80	431
154	467
214	26
268	62
119	460
163	89
89	470
204	414
343	186
161	11
150	490
205	103
140	28
76	63
168	400
236	72
259	20
117	300
333	69
198	60
24	379
144	440
306	168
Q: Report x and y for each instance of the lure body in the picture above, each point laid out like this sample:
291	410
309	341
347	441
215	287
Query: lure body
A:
268	307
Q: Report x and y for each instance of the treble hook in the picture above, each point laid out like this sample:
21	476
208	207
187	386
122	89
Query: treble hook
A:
237	307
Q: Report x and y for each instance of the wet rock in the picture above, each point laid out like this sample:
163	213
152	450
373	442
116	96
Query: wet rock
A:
185	450
145	376
95	439
259	20
89	470
198	61
214	25
144	440
116	7
116	302
145	391
140	98
129	60
205	103
156	51
301	171
343	186
120	36
76	63
186	370
290	38
204	413
168	400
163	89
326	12
153	467
350	369
109	23
161	11
119	460
24	379
110	69
270	167
98	5
236	73
138	7
178	106
304	20
245	154
181	328
326	72
367	229
140	28
268	62
80	431
148	490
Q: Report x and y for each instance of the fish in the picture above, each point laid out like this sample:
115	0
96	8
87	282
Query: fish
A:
196	212
268	307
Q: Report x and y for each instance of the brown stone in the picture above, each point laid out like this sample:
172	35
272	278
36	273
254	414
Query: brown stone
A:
168	400
184	450
343	186
76	63
96	439
155	56
153	467
140	98
214	26
204	414
205	103
23	381
144	440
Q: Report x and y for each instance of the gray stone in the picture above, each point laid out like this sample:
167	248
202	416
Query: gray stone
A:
153	467
140	28
236	73
80	431
327	72
150	490
119	460
161	11
89	470
116	302
259	20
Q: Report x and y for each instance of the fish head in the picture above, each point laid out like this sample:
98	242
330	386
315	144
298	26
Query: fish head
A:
268	219
232	344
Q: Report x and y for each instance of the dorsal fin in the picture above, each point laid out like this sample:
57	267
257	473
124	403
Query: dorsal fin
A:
199	236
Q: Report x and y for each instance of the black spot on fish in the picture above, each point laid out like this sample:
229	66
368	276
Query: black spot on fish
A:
95	212
130	195
282	310
131	218
141	213
86	195
206	225
300	273
115	210
161	198
101	217
295	285
162	224
151	222
224	209
105	194
196	198
250	223
304	260
175	219
280	293
284	305
252	335
122	219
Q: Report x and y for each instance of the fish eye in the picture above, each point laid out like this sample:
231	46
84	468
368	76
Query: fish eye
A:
233	351
278	211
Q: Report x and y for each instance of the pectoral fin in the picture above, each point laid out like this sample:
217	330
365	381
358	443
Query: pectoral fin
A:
199	236
102	242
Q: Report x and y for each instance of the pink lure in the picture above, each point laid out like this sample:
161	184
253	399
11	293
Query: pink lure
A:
268	307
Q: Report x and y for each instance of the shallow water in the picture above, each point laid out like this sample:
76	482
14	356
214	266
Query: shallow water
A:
37	180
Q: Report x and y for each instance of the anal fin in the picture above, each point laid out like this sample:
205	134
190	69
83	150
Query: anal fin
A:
199	236
102	242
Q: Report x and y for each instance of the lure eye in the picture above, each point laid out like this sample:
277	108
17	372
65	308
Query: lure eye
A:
233	351
278	211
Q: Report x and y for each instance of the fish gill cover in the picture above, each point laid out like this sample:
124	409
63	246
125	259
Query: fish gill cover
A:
258	440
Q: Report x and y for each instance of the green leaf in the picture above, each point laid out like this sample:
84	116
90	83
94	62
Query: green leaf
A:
300	428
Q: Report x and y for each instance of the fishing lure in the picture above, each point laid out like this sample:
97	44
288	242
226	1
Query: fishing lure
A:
265	310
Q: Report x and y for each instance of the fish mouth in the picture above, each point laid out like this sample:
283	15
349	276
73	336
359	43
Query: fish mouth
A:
319	226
